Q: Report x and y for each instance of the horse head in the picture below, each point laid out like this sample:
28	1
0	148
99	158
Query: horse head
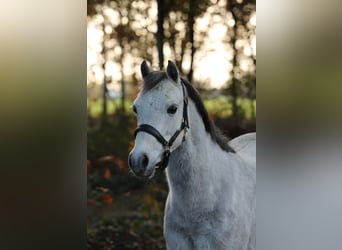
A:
161	111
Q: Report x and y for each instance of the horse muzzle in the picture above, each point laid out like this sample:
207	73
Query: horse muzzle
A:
140	165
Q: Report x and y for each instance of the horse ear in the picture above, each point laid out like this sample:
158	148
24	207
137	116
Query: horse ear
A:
145	70
172	71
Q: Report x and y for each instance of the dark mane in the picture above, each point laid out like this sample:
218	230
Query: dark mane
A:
215	134
154	77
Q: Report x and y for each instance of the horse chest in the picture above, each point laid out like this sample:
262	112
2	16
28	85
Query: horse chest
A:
195	218
195	205
197	229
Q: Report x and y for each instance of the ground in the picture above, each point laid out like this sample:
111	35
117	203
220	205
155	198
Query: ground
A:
111	239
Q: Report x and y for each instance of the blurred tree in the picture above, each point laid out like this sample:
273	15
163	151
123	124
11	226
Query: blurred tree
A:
192	9
91	6
104	54
191	32
176	12
241	11
152	29
124	35
124	32
105	89
162	10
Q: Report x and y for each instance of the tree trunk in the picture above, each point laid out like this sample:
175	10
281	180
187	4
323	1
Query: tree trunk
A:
123	85
234	62
105	90
104	96
160	33
234	81
191	24
253	90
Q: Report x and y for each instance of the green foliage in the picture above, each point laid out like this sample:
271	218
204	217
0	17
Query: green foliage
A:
113	107
111	137
221	107
217	107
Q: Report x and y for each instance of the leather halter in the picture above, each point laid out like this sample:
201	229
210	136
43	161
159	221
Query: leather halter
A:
167	144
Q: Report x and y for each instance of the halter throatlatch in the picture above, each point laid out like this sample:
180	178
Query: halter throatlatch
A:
167	144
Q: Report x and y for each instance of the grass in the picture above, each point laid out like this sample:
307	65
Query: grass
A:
222	107
95	106
218	107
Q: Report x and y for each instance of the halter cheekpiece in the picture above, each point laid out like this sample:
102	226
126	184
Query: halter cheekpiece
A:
167	144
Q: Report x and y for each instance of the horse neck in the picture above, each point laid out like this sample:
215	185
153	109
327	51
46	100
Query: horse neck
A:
190	161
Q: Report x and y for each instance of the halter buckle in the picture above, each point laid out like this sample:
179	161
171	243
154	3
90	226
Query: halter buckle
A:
184	133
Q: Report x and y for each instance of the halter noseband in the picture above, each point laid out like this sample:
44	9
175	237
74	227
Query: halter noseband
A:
167	144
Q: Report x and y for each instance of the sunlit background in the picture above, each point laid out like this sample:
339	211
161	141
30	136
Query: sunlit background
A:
220	52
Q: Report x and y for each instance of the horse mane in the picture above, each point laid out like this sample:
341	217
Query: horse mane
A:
215	133
154	77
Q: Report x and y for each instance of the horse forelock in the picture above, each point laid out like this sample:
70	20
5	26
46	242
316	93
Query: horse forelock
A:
152	79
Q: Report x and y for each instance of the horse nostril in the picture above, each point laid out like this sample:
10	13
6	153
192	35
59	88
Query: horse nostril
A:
144	161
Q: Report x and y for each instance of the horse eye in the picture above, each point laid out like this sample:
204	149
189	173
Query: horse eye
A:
172	109
134	109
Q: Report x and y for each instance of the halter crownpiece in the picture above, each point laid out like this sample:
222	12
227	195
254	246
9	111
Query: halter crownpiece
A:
167	144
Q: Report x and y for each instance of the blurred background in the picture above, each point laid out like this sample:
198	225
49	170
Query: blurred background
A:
213	43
